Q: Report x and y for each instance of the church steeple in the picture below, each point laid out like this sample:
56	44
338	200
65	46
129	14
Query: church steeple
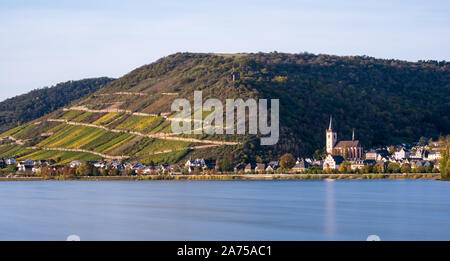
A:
331	137
353	134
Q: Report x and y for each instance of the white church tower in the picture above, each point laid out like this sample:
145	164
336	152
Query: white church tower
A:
331	137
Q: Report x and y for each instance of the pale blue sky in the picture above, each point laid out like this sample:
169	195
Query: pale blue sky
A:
46	42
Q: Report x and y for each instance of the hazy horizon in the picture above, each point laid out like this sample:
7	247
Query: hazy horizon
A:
47	42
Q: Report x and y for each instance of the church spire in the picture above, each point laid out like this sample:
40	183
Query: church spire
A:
353	134
331	123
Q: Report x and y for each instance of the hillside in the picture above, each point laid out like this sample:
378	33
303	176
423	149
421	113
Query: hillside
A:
386	101
32	105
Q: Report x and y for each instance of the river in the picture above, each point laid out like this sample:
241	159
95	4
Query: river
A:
225	210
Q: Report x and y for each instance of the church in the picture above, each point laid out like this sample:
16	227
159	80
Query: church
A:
350	150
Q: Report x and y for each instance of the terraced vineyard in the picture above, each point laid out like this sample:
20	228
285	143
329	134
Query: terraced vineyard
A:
70	134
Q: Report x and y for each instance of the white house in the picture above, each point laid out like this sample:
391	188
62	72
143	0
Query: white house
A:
434	155
332	162
10	161
401	154
75	163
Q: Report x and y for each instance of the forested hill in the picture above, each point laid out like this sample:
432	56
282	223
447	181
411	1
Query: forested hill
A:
32	105
386	101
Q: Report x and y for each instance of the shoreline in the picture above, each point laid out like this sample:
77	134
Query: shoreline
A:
325	177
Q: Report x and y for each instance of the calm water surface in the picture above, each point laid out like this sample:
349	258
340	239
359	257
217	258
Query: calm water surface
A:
225	210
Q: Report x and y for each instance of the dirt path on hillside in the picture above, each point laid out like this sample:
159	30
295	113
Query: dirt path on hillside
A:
81	150
17	141
114	110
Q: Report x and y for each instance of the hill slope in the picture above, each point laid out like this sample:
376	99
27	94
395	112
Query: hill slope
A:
386	101
35	104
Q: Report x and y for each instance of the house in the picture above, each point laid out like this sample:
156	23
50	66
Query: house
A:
10	161
301	165
149	170
75	163
418	154
239	168
195	163
416	163
434	155
117	165
173	169
332	162
28	162
317	163
275	164
357	164
377	154
260	167
272	166
401	154
24	166
249	167
164	168
50	162
36	169
369	162
138	167
426	163
99	164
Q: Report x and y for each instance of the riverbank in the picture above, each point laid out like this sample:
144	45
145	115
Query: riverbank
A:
436	176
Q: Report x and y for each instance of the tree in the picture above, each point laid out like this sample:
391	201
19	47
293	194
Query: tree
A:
197	170
114	172
85	169
393	167
423	141
418	169
391	150
95	171
405	168
345	167
287	161
226	165
318	155
444	164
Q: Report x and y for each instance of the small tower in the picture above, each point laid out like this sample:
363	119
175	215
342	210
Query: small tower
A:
235	76
331	137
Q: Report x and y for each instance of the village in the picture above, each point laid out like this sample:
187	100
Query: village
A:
345	156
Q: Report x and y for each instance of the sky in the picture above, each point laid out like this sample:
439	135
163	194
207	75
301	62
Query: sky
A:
44	42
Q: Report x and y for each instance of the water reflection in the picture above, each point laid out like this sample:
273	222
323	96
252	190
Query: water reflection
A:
231	210
330	214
